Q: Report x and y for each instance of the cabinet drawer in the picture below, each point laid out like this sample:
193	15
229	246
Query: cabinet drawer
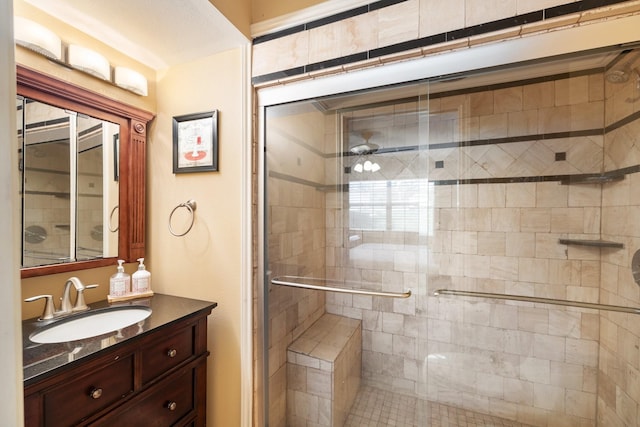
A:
75	400
162	355
162	406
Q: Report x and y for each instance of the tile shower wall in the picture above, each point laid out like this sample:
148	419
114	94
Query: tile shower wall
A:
525	362
396	32
296	239
537	203
619	370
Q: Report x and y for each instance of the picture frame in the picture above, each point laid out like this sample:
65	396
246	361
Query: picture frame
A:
195	142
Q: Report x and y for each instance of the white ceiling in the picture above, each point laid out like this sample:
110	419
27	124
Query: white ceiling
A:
158	33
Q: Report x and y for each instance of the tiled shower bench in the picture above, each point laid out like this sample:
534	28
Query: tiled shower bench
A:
323	372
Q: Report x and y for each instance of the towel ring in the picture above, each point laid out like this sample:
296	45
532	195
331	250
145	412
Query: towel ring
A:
191	207
113	230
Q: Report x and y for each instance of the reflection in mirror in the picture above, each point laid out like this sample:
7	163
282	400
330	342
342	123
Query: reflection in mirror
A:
69	184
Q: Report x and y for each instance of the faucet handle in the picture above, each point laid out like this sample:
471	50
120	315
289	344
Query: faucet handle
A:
48	306
80	304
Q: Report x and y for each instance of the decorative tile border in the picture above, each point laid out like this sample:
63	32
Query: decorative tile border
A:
449	36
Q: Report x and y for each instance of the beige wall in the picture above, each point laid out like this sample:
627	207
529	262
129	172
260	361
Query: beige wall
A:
204	264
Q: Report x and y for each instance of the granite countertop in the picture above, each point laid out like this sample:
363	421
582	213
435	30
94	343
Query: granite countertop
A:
38	360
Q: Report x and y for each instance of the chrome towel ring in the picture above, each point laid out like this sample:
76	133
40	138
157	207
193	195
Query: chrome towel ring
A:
191	207
113	230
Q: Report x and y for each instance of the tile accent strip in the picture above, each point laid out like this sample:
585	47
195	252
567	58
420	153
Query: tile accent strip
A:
505	180
540	15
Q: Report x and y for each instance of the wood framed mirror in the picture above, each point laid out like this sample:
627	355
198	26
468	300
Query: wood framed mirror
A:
97	199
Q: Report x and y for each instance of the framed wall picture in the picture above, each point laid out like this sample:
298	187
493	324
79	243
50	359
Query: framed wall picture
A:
195	142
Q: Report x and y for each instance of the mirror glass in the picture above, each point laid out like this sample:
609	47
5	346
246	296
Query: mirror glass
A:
69	185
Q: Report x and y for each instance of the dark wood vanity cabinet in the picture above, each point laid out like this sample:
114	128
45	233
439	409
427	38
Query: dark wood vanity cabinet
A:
157	379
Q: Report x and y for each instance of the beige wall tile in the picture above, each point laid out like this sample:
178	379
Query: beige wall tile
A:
508	100
464	242
596	87
505	219
521	195
567	220
440	16
520	244
358	34
398	23
523	123
551	195
565	272
524	6
582	352
492	195
533	270
574	90
324	42
494	126
535	220
465	196
478	219
478	11
504	268
587	116
492	243
535	370
548	247
481	103
537	96
281	54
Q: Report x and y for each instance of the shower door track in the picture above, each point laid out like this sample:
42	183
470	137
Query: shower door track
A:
287	281
566	303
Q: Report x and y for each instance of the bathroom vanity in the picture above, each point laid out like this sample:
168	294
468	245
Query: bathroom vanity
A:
151	373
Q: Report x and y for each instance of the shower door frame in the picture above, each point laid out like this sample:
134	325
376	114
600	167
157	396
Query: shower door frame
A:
576	39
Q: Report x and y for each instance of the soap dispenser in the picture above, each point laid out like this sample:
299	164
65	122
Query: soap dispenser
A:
141	279
120	282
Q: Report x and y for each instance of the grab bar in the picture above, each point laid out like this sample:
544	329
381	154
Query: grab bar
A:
562	302
286	281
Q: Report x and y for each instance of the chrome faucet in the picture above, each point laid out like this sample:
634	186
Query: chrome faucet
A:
66	308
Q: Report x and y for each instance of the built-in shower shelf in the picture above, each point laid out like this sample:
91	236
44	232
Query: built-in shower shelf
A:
592	243
592	179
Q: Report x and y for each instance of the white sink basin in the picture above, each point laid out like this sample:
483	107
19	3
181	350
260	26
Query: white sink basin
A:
90	325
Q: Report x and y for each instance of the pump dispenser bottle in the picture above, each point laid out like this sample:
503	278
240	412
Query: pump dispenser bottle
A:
120	282
141	279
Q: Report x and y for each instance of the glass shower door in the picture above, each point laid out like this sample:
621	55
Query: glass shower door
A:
347	225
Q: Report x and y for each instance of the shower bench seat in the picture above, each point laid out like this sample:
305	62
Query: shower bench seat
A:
324	368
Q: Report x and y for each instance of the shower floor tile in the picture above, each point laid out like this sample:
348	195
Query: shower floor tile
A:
381	408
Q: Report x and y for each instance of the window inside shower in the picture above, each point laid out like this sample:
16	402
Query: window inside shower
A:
456	248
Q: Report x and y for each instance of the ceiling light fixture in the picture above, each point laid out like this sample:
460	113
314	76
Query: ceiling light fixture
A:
363	150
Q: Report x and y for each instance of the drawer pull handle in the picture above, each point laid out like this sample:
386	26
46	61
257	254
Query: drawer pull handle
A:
172	353
172	406
95	393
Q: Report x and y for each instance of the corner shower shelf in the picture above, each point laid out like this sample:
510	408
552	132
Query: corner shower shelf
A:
592	243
